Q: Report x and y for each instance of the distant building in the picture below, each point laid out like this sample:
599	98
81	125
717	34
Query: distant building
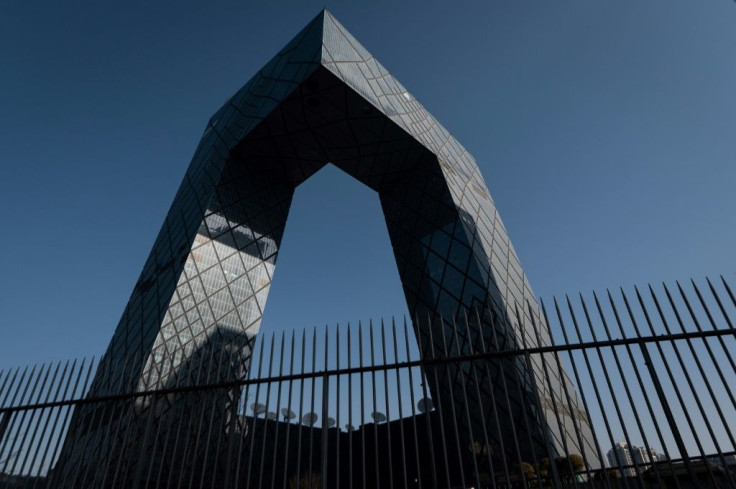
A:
627	457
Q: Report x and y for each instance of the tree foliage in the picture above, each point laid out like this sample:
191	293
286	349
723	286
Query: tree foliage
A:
605	474
526	470
309	480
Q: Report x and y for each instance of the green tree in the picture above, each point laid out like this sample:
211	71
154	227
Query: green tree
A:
526	471
310	480
577	462
544	468
568	466
605	474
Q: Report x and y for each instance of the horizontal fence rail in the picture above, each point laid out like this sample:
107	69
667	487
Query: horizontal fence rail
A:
634	389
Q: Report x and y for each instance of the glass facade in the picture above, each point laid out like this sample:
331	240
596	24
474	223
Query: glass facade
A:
325	99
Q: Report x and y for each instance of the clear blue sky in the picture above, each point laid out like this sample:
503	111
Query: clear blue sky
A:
606	132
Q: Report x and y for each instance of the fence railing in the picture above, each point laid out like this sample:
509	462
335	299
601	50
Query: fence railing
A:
649	373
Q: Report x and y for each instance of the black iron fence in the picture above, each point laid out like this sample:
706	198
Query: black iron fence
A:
649	372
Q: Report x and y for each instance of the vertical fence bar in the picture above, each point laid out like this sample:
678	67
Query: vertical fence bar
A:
609	384
713	325
68	470
375	407
728	290
576	375
107	368
224	357
627	389
63	384
384	360
151	414
720	304
288	412
451	395
182	424
400	407
596	391
564	380
125	427
425	376
325	416
90	416
674	382
680	445
526	409
11	427
536	397
420	480
157	436
338	453
301	411
264	435
6	423
519	380
278	407
115	409
312	420
664	402
130	427
47	418
707	345
212	410
463	390
251	445
23	443
676	348
440	413
229	397
350	427
536	327
5	375
362	406
64	425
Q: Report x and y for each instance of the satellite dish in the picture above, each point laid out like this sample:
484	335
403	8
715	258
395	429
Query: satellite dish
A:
425	405
349	427
330	422
378	417
272	416
258	408
309	419
288	414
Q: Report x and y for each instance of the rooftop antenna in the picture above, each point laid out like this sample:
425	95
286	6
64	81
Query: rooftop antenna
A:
309	419
288	414
425	405
258	408
378	417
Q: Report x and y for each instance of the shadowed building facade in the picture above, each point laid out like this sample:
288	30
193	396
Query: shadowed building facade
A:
324	99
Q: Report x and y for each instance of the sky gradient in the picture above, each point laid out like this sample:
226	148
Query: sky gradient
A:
605	132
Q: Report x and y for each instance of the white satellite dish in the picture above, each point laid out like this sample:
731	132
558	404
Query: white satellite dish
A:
425	405
272	416
349	427
378	417
330	422
288	414
309	419
258	408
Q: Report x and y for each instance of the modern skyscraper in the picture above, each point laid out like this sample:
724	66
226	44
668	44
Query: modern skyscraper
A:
325	99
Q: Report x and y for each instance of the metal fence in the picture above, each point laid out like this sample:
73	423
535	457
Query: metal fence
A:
353	406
